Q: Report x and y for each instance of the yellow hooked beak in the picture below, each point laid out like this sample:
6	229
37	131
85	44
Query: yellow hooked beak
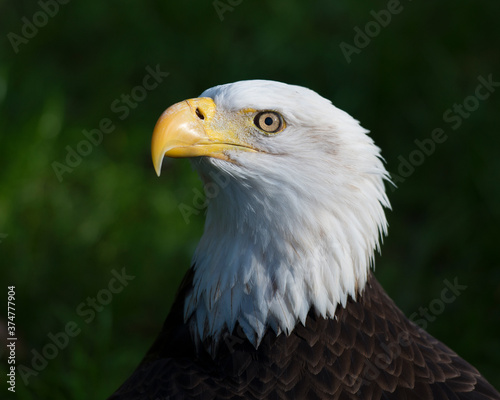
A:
190	129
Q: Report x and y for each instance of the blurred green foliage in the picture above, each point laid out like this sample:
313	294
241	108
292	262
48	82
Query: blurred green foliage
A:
112	212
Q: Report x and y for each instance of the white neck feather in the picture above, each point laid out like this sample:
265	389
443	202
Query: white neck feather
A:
274	249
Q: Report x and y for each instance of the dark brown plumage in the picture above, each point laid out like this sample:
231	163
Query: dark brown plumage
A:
369	351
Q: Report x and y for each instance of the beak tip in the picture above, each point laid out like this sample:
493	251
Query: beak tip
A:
157	163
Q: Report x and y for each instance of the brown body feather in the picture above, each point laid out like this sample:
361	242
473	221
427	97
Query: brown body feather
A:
369	351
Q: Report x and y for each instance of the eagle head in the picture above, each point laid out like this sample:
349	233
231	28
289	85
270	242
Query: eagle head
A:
296	204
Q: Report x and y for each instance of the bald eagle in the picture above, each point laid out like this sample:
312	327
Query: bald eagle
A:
280	301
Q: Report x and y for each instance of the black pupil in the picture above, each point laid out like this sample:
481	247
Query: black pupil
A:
268	121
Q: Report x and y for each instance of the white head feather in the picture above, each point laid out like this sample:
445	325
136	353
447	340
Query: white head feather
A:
291	228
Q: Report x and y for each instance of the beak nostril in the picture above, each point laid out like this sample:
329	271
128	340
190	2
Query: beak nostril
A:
199	113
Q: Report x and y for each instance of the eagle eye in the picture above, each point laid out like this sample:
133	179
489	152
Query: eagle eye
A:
269	121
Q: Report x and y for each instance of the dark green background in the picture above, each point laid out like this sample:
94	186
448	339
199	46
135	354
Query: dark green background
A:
112	212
